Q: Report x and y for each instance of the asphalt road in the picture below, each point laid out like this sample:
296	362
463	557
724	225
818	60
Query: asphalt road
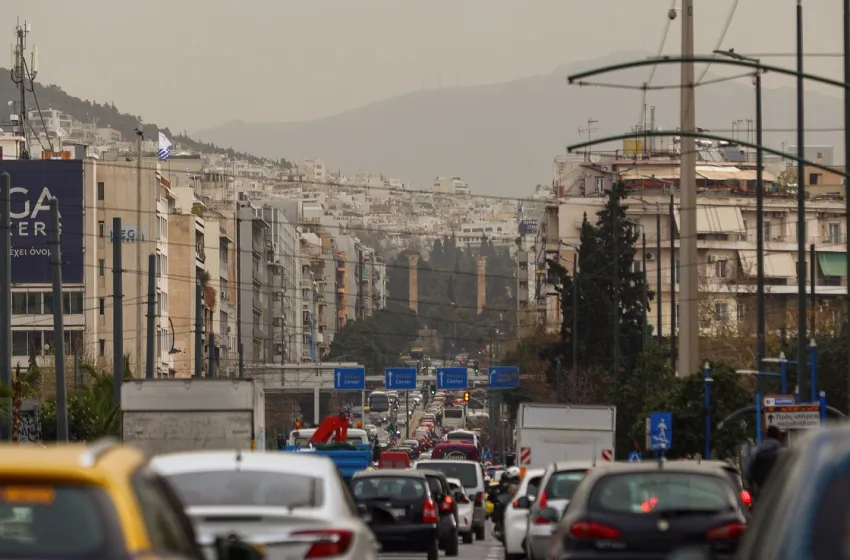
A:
489	549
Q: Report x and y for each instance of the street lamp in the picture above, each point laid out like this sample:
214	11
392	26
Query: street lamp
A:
573	336
760	320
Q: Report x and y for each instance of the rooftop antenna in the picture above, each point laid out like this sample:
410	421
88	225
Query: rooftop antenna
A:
23	75
589	131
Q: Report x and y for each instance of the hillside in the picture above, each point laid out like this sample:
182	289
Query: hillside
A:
106	115
502	138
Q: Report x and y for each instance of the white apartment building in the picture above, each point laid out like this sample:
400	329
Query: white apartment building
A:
450	186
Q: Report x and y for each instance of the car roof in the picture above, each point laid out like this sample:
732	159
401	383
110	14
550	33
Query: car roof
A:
453	461
567	465
455	444
659	466
531	473
455	481
428	472
204	461
394	473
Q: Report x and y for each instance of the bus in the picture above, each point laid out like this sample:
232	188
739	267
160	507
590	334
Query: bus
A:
454	418
417	353
379	402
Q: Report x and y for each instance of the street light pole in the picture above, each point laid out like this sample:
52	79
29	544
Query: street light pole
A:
846	163
802	339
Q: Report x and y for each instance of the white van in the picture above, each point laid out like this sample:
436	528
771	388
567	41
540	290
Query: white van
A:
302	437
454	418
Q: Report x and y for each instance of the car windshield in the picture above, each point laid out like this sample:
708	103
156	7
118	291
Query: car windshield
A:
248	488
562	485
57	521
386	487
467	473
644	492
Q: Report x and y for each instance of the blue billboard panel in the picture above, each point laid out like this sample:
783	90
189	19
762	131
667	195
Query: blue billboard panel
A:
34	183
349	379
503	377
452	378
400	379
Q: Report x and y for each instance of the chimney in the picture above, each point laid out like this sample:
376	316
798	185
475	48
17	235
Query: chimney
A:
482	283
820	158
413	282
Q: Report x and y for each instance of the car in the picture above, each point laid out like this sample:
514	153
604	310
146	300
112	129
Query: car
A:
295	505
91	501
655	509
464	510
401	510
449	530
515	519
557	486
471	476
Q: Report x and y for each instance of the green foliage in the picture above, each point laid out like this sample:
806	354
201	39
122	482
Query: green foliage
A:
378	341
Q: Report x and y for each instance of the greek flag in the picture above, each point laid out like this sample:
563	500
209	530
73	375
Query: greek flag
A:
164	147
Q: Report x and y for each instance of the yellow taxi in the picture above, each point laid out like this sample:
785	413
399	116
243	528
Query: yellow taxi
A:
90	501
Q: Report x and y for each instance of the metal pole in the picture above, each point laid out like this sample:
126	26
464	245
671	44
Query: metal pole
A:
117	313
689	330
760	315
76	370
407	414
55	244
707	385
574	369
558	380
199	328
658	270
644	294
812	292
240	350
813	357
138	241
673	278
151	343
801	211
615	303
5	300
847	162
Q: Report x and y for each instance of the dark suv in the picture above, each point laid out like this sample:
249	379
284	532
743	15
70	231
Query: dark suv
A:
400	509
448	529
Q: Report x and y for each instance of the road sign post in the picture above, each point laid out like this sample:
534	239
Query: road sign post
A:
452	378
400	379
661	431
349	379
500	378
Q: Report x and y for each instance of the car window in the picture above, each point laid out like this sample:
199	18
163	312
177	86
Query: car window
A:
467	473
397	488
58	521
562	485
533	486
164	524
248	488
642	493
435	485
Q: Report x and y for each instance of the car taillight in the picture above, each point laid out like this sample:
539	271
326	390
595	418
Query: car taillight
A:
446	504
591	530
541	503
326	543
729	532
429	512
479	499
746	498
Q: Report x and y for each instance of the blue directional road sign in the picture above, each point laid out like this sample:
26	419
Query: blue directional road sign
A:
502	377
635	457
452	378
661	431
349	379
400	378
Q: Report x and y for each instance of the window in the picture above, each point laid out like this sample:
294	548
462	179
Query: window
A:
72	303
720	268
20	343
813	178
19	303
101	344
650	493
101	190
675	272
406	488
721	312
47	297
169	530
600	184
101	228
102	305
101	267
562	485
767	231
742	312
834	235
222	254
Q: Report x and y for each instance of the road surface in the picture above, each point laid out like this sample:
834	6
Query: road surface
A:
490	549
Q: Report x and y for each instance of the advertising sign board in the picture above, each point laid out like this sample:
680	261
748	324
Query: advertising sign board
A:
34	183
795	417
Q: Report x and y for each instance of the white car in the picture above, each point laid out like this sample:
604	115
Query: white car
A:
516	514
464	510
294	504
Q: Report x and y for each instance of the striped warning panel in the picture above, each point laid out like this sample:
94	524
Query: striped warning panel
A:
525	456
608	455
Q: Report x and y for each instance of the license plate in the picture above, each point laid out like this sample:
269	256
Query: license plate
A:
399	512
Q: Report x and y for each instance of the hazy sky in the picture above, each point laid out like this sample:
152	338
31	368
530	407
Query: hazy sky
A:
194	64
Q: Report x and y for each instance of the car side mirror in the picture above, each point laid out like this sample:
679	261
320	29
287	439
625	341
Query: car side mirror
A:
549	514
364	512
523	503
233	548
461	498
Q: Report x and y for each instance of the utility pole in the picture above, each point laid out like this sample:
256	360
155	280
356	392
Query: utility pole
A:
689	329
574	369
802	338
6	299
847	162
658	268
644	292
117	313
58	324
615	304
23	74
674	277
199	327
151	324
589	131
239	347
138	239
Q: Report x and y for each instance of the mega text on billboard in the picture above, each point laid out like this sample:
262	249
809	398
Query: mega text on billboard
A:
34	183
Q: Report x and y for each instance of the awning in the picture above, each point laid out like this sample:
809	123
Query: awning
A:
717	219
750	175
649	172
776	265
833	264
717	173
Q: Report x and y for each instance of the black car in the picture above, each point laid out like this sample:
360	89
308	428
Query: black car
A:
400	509
651	510
449	528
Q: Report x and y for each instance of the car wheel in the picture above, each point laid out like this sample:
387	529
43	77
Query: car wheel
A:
514	556
467	537
452	546
479	533
434	551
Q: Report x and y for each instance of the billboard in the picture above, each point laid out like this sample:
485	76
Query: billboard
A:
34	183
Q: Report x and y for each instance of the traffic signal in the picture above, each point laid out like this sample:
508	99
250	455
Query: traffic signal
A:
433	389
466	396
476	369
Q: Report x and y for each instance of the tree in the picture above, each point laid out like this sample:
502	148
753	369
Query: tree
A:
378	341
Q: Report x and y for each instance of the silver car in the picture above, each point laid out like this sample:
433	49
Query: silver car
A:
295	505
